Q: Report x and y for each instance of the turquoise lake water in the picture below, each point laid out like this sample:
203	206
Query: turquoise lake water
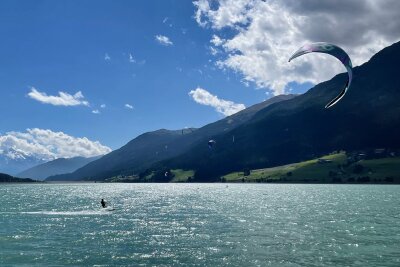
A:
200	225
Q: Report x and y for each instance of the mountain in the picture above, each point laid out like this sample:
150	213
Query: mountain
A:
14	161
57	166
142	149
301	128
283	132
5	178
149	148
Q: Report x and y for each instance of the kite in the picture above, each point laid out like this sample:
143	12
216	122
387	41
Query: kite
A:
332	50
211	143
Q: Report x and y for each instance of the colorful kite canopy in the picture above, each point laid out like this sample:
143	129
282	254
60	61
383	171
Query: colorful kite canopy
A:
332	50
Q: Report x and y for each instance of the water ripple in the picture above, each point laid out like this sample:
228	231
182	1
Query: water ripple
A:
200	225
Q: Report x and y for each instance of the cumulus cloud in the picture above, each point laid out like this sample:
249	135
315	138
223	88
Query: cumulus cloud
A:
128	106
266	33
63	99
225	107
164	40
96	111
103	105
107	57
48	145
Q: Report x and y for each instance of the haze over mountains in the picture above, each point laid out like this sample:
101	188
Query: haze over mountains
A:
13	161
57	166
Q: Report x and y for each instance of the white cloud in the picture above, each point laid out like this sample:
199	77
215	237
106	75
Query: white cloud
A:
225	107
266	33
213	51
131	59
103	105
128	106
107	57
229	13
63	99
164	40
217	41
95	111
48	145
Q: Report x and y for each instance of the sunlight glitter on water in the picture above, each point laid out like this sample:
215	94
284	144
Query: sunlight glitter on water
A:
200	224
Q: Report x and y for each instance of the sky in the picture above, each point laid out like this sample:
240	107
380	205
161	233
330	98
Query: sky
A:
82	78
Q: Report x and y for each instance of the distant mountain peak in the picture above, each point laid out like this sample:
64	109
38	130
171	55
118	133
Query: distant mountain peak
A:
56	167
14	153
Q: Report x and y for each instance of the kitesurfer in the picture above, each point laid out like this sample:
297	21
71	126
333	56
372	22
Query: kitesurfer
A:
103	203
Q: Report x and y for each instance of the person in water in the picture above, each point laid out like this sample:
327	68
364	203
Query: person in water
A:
103	203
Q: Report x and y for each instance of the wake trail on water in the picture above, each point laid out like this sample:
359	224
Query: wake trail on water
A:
68	213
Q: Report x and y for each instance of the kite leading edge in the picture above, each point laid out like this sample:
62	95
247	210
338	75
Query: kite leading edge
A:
332	50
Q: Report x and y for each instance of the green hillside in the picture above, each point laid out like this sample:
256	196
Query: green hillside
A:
173	176
333	168
181	175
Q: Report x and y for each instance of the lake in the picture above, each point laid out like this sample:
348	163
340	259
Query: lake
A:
200	225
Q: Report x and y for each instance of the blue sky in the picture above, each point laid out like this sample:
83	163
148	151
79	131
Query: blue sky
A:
108	51
61	45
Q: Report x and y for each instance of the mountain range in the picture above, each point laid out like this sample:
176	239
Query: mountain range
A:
301	128
149	148
13	161
281	130
55	167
